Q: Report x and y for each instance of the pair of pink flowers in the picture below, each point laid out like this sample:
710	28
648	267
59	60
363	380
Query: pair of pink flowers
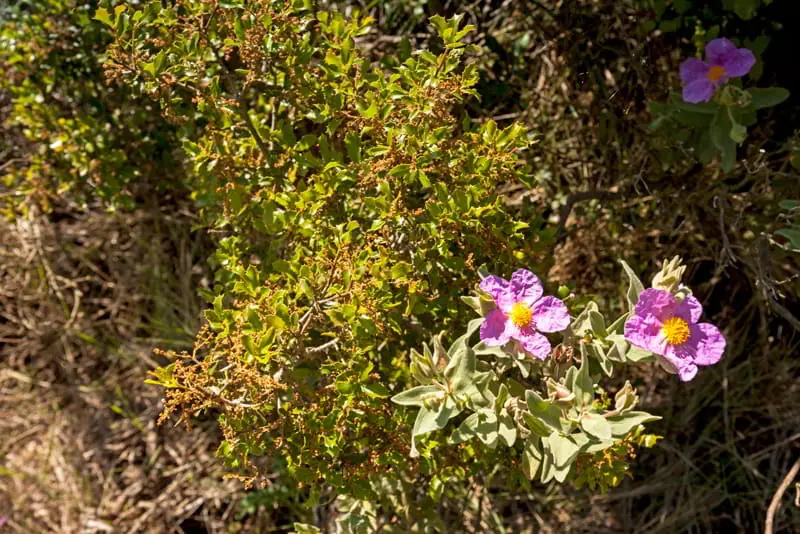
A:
660	324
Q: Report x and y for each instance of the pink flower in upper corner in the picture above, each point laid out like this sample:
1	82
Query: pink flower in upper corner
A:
723	61
522	313
669	328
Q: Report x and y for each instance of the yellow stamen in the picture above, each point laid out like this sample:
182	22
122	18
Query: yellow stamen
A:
676	330
716	73
521	314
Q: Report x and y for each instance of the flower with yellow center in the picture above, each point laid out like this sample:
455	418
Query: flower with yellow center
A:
521	314
716	73
676	330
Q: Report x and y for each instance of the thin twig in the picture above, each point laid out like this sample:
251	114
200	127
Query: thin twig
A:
324	346
776	499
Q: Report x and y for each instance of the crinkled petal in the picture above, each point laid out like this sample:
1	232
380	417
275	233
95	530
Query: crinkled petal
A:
687	371
494	285
698	91
693	69
525	287
645	332
710	344
495	330
739	63
689	309
656	302
718	51
534	343
550	314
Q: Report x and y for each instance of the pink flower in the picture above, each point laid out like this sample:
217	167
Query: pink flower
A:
667	327
522	314
723	61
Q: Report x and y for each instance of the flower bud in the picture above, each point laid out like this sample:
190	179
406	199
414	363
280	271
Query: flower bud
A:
558	392
626	398
669	277
422	368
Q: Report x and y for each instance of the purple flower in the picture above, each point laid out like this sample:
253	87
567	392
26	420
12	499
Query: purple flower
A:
669	328
522	313
723	61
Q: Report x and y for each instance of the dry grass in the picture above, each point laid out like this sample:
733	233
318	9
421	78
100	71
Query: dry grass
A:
85	295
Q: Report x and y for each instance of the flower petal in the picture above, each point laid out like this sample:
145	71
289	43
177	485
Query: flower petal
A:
685	369
550	314
494	285
534	343
645	332
718	51
525	287
656	302
494	329
710	344
739	63
698	91
687	372
693	69
689	309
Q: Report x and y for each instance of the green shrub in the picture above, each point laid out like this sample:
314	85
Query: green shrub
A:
356	209
87	140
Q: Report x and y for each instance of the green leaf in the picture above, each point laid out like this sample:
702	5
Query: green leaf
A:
507	429
416	395
375	390
429	420
721	128
596	425
532	457
305	528
563	447
460	369
275	322
635	286
622	424
767	97
543	413
738	133
466	430
635	354
792	234
583	388
103	16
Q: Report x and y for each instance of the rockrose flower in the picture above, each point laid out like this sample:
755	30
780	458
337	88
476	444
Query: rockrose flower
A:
667	327
522	313
723	61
